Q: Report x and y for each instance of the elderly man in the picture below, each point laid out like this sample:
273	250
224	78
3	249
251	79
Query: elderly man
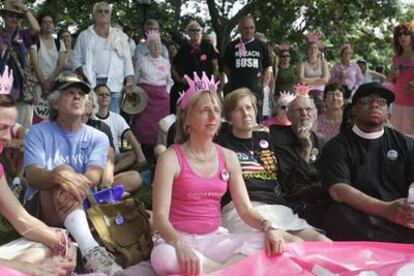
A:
102	55
63	159
367	171
142	48
247	63
297	149
17	41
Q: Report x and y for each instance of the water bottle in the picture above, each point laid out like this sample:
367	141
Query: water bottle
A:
410	197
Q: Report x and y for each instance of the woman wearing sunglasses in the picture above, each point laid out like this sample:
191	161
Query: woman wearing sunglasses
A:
402	75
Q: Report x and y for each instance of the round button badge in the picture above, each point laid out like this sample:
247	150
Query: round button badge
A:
225	175
392	155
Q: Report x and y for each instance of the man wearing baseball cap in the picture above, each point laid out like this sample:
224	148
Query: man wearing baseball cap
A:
367	171
63	160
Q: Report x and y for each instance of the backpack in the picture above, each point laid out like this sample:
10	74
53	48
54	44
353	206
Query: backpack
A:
123	228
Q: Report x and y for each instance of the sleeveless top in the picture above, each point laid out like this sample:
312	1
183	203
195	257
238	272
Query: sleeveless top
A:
309	73
286	79
195	201
403	96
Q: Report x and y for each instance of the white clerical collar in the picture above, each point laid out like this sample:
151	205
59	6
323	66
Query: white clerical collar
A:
365	135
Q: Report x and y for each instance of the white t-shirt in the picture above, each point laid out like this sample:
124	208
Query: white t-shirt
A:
118	127
101	57
47	58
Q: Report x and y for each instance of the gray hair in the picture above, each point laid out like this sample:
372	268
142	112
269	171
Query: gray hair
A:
187	29
52	100
151	22
97	5
92	97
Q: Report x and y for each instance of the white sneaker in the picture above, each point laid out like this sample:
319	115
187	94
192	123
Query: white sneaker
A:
99	260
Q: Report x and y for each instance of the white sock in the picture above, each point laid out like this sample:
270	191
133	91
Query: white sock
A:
77	225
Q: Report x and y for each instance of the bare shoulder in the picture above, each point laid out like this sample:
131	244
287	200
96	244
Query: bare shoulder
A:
168	160
231	158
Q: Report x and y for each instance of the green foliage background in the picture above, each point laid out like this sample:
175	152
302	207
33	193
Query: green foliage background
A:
366	24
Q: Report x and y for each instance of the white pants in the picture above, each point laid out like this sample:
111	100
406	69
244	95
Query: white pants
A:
13	249
280	216
218	246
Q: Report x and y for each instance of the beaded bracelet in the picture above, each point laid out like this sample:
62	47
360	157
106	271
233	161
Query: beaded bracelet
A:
61	248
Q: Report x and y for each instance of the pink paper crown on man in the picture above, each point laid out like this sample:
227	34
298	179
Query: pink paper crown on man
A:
6	81
197	85
152	35
302	89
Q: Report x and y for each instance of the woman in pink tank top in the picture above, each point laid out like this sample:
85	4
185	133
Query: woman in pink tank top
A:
190	179
402	76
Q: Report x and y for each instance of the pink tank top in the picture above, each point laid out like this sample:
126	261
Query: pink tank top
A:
195	204
403	96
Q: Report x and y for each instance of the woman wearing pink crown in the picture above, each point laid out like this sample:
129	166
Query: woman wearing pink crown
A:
42	250
190	179
152	73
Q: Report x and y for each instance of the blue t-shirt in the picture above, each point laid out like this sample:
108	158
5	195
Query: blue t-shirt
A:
49	146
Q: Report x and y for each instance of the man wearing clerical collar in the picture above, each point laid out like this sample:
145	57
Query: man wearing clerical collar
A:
367	171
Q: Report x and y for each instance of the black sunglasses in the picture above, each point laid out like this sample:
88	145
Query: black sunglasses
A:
283	56
406	33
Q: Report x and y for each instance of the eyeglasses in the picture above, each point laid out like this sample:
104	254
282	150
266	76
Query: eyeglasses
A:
103	11
285	56
306	109
104	95
370	100
195	30
406	33
334	94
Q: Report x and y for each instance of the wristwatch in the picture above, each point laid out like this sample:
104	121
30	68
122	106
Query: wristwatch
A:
267	225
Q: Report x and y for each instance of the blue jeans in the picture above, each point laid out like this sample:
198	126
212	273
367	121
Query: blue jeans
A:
116	97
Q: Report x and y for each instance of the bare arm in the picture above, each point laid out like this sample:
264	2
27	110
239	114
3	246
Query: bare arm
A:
239	193
274	242
59	66
108	172
216	72
26	225
167	169
136	146
267	76
63	177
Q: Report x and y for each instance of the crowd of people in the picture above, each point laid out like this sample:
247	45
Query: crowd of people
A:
250	150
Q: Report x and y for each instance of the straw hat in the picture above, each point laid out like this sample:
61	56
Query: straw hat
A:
136	102
9	8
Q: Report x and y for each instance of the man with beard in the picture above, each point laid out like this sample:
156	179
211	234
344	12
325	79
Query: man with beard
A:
297	149
367	171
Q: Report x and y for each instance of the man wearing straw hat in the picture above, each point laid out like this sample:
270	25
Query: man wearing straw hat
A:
18	42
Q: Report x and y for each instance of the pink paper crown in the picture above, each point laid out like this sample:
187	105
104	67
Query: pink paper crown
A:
314	37
284	47
153	35
196	85
302	89
286	97
6	81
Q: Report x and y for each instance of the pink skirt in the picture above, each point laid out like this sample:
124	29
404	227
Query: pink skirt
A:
145	124
402	119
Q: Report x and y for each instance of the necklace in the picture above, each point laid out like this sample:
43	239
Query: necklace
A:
198	157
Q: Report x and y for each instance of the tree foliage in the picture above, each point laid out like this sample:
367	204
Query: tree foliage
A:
366	24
